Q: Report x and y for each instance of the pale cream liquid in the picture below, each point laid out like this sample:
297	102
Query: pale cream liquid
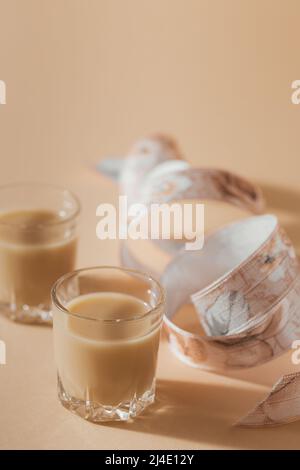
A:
106	362
33	255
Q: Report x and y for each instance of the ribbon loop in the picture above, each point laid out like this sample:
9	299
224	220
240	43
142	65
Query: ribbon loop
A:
244	283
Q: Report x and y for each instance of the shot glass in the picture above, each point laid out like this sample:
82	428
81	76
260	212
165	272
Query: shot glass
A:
38	225
106	326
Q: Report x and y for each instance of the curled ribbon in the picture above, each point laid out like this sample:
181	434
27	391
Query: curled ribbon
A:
244	283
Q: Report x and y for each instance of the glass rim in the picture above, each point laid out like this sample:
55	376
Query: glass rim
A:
146	276
50	186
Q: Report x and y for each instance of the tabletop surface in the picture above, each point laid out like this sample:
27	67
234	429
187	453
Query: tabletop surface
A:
82	83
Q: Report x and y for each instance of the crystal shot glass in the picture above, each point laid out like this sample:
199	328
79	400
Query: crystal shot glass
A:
38	239
106	326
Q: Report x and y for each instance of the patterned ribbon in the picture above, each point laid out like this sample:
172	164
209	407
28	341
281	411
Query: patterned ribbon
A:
244	283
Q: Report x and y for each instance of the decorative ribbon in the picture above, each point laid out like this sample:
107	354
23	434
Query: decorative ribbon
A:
244	283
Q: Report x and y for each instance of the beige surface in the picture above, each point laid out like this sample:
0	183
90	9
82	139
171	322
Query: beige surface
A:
83	80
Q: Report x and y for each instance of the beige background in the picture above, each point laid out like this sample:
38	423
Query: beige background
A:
84	79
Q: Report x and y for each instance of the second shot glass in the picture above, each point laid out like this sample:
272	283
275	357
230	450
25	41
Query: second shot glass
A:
38	238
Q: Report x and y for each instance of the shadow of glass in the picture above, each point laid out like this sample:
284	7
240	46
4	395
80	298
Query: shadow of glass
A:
204	413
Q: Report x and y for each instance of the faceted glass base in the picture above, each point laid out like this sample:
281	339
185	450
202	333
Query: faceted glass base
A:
27	314
98	413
